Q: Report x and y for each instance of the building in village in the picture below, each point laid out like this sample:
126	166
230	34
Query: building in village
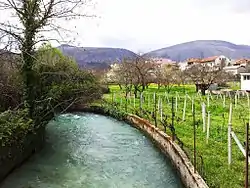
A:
245	81
235	69
212	61
238	66
163	61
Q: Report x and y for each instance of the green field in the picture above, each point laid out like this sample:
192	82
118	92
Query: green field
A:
212	157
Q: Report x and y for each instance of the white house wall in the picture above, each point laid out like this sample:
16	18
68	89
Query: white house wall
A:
245	84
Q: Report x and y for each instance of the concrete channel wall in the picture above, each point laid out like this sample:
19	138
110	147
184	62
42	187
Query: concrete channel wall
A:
14	156
179	159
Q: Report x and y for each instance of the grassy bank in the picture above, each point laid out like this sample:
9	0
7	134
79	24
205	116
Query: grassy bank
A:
212	154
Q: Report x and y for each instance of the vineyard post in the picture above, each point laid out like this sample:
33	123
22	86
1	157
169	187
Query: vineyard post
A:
208	125
155	110
184	108
229	135
176	103
194	124
173	115
235	100
247	152
126	103
204	116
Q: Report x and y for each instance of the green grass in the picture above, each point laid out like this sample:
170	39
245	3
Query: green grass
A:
216	170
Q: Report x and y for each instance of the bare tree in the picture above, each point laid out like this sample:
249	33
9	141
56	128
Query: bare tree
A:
34	17
132	73
159	76
170	76
167	75
142	70
204	75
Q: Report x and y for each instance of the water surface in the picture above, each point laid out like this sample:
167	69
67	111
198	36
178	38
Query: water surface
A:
93	151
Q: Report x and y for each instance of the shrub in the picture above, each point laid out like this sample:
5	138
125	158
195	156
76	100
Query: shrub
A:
14	125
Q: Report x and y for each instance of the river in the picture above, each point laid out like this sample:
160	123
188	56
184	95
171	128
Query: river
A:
92	151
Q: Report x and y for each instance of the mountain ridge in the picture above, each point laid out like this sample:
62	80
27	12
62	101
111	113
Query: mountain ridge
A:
103	57
201	49
96	57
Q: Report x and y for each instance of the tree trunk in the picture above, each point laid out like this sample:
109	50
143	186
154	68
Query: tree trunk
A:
143	87
203	91
159	86
196	87
120	86
27	73
203	88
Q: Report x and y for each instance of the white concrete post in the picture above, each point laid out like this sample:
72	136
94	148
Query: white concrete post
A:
229	135
184	108
208	125
204	116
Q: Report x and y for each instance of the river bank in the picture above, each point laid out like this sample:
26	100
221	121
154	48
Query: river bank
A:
14	156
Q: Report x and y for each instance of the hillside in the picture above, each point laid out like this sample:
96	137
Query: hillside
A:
91	57
201	49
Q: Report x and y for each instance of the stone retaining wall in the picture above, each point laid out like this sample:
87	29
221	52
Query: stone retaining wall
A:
13	157
180	160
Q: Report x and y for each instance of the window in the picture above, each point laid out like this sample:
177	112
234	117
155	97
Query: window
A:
246	77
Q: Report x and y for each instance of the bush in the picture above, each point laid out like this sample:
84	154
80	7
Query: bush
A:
60	84
57	83
14	125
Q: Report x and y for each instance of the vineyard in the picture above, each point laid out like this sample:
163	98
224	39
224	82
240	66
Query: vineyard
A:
196	121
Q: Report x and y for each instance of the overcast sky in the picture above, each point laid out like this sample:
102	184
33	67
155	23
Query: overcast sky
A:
144	25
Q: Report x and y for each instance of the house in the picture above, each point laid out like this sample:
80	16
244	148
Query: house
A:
243	62
235	69
192	61
245	81
163	61
212	61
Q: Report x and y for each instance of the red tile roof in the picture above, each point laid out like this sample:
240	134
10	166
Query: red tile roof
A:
241	61
204	60
193	60
209	59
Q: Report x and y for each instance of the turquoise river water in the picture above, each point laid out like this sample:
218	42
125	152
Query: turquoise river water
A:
92	151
